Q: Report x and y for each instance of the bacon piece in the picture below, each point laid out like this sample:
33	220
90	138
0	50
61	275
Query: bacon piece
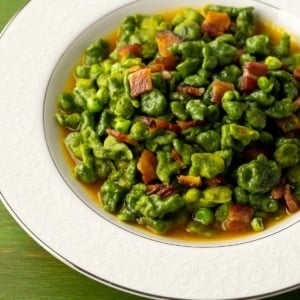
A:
189	124
216	23
248	83
133	69
289	123
297	101
155	123
140	82
251	72
130	50
147	166
296	73
156	68
178	159
122	137
278	191
189	180
218	90
165	39
216	181
191	90
256	68
290	199
168	63
239	217
161	189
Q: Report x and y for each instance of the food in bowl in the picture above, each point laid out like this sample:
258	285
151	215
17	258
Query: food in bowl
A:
189	122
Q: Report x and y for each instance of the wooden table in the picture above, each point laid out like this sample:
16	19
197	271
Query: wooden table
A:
27	271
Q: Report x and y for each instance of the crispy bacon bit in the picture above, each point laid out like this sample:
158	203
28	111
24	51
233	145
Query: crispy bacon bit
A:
216	23
218	90
290	199
168	63
140	82
191	90
278	191
155	123
216	181
130	50
239	217
165	39
189	124
178	159
248	83
156	68
296	73
161	189
289	123
297	101
251	152
251	72
122	137
147	166
256	68
189	180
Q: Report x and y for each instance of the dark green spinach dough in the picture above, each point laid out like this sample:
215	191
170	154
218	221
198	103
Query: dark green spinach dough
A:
186	125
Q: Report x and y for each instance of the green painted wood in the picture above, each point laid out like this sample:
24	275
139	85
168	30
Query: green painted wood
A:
27	271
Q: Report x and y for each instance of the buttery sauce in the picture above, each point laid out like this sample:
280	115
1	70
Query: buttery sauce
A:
178	233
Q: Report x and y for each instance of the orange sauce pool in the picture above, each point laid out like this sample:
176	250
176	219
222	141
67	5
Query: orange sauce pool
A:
179	233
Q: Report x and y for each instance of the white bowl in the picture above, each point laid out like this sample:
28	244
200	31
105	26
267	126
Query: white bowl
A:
41	193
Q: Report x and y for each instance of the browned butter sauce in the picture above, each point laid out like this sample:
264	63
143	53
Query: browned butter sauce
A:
179	233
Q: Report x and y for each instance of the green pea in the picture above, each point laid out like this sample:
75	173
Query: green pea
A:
273	63
222	212
257	224
269	204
